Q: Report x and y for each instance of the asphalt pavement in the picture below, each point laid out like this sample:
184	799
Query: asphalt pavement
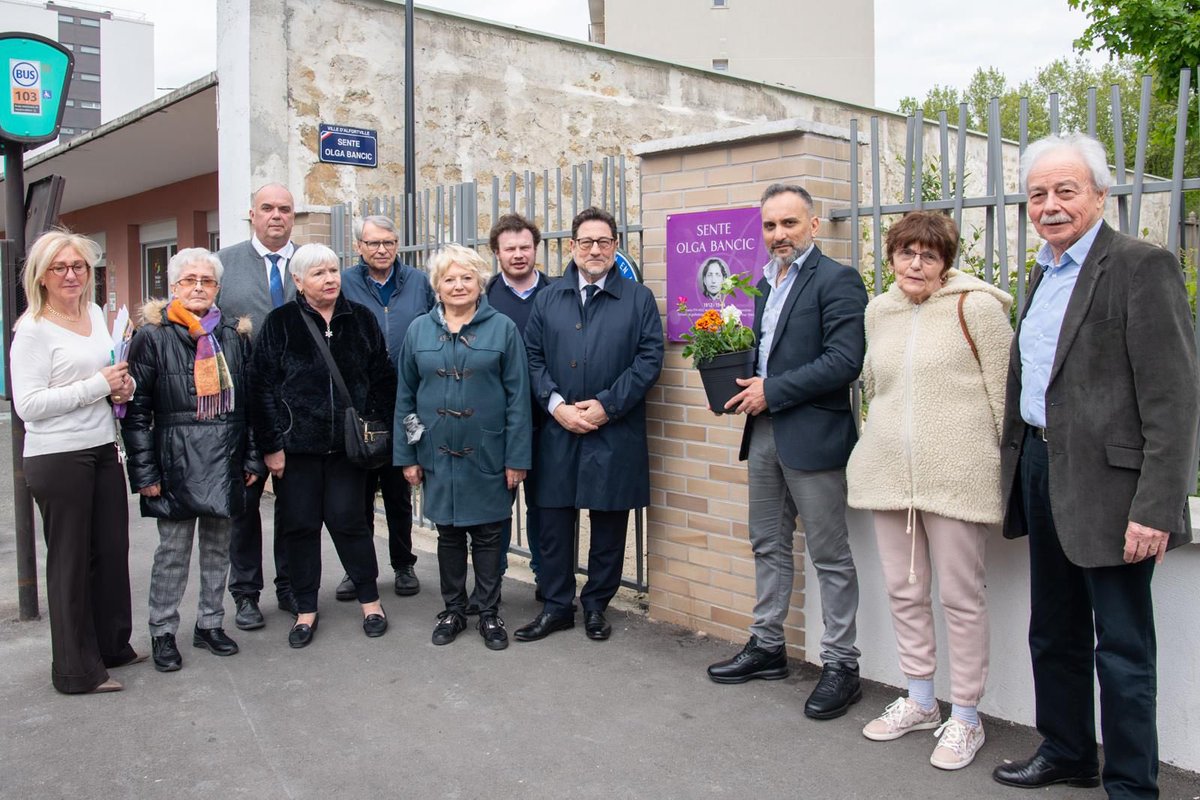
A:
633	717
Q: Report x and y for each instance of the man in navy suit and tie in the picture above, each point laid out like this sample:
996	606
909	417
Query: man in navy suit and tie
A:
800	429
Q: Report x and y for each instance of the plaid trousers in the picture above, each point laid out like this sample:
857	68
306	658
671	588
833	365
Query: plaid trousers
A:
168	578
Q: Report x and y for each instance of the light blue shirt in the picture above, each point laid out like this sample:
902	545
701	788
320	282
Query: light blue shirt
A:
774	306
1043	323
523	294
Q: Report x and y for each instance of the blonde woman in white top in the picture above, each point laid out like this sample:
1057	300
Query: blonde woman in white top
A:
62	381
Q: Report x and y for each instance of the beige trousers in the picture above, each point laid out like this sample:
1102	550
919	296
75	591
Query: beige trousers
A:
957	551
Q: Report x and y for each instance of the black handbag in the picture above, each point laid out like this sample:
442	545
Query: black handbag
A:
368	442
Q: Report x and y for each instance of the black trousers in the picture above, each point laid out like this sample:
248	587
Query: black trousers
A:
606	559
85	520
397	506
485	558
325	489
1080	617
245	550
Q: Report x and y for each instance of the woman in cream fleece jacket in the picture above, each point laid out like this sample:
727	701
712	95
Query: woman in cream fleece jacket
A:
928	465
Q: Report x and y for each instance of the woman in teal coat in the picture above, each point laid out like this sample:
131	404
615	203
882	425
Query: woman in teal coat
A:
463	433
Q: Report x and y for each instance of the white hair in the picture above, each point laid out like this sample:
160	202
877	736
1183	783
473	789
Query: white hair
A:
378	220
193	255
311	255
1090	151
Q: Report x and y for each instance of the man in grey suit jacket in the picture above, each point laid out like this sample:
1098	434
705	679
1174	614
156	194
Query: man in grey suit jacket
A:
1097	460
255	282
800	430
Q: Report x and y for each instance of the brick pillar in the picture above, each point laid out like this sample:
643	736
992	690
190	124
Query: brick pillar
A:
701	568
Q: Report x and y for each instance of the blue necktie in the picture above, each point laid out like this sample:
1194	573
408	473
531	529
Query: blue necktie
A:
276	280
589	292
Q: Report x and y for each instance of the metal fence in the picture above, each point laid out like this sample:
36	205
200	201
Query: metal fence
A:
551	199
1129	189
451	213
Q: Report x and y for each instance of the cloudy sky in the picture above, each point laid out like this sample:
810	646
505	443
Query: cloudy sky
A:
917	42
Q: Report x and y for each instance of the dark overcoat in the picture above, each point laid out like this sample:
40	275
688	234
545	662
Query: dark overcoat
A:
296	407
1122	404
199	464
471	392
611	351
816	353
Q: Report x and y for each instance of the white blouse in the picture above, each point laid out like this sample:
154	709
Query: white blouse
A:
57	386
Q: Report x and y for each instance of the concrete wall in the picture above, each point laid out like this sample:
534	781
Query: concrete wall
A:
767	40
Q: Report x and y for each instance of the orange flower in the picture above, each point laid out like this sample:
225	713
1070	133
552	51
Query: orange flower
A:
709	321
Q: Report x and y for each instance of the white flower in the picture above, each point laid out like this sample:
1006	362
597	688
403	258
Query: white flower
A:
731	313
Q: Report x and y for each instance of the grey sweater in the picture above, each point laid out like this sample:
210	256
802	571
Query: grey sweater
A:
244	288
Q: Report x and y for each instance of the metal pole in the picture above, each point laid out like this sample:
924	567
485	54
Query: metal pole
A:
14	226
410	135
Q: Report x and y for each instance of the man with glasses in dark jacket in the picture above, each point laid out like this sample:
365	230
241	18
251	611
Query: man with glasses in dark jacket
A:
397	294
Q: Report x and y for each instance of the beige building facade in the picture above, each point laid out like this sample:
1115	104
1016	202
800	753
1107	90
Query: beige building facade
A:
826	49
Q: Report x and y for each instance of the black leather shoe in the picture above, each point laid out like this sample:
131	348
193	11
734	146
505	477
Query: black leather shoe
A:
837	690
301	635
1035	772
346	590
375	625
166	654
596	626
248	617
214	641
407	583
543	625
450	625
752	662
491	628
287	602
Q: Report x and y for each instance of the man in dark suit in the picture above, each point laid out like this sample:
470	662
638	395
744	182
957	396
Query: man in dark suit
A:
799	432
255	282
1098	456
595	346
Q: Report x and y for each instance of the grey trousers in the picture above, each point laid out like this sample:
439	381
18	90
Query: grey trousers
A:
169	576
777	495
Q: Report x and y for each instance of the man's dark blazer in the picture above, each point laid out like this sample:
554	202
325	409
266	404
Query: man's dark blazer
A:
816	353
1122	405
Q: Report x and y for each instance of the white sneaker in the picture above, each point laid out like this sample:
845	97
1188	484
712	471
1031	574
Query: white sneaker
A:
958	743
899	718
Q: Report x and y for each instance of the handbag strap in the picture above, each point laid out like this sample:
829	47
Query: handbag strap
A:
323	349
962	323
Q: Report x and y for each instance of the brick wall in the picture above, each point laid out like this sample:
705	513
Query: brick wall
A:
701	568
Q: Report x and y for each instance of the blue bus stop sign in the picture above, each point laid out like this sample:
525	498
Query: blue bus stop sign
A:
36	74
629	268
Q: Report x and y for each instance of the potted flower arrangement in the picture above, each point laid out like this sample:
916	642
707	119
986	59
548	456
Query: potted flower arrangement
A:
720	346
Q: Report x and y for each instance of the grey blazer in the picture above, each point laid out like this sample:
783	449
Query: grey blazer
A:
244	288
1122	405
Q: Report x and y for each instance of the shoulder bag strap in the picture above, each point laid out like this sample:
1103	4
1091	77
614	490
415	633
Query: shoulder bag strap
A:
962	323
323	349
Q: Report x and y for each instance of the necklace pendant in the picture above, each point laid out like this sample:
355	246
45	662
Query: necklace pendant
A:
329	333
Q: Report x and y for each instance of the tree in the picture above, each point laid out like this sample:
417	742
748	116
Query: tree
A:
1165	34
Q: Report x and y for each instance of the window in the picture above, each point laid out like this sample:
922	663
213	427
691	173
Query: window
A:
214	241
89	50
66	131
100	273
716	4
92	104
70	103
87	76
721	64
65	19
67	45
84	130
154	268
88	22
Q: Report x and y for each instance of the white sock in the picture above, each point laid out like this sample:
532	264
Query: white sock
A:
921	693
967	714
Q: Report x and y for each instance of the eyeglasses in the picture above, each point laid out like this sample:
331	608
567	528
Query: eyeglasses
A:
191	283
928	257
376	244
586	244
78	268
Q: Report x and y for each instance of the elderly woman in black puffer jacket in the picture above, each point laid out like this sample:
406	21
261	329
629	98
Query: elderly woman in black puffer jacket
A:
298	422
188	443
